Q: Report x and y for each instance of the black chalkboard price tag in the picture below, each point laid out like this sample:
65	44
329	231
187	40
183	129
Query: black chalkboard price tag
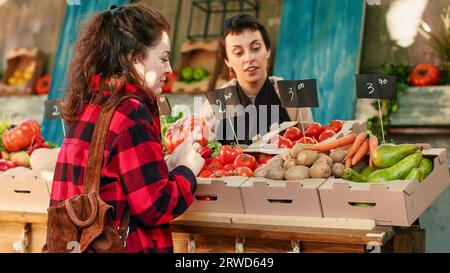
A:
164	106
53	109
298	94
223	101
373	86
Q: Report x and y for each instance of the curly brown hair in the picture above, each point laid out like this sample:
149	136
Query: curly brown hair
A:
108	46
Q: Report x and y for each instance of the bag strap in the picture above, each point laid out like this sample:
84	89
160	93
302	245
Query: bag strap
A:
92	174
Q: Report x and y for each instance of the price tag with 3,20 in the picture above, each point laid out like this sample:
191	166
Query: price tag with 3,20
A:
53	109
164	106
296	94
223	101
373	86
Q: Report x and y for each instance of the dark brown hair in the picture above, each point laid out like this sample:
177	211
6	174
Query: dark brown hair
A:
109	45
236	25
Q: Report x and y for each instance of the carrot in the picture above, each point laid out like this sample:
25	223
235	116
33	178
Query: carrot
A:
325	147
362	151
358	141
348	162
373	144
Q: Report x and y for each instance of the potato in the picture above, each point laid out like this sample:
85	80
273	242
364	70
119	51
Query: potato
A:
261	172
286	157
324	159
307	158
275	162
296	173
297	148
289	163
276	173
338	155
337	170
320	170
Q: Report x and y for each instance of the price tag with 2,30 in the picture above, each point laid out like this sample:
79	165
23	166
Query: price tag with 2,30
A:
53	109
221	98
297	94
373	86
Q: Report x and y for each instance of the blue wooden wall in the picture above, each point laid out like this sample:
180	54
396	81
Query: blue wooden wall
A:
77	11
321	39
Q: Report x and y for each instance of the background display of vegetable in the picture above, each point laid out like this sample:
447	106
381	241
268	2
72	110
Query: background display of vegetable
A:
190	74
19	142
180	130
314	133
168	84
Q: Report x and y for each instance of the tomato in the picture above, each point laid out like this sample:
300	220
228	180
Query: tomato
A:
206	164
243	171
220	173
308	140
6	165
334	125
229	168
282	141
425	75
293	134
326	135
314	130
215	160
21	136
285	143
205	152
182	129
205	174
227	154
263	158
214	167
246	160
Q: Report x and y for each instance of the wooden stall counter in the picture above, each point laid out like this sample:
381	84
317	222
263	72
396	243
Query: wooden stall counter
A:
26	231
192	235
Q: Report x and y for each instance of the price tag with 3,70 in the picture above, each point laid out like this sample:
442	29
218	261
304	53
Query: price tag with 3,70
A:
53	109
373	86
296	94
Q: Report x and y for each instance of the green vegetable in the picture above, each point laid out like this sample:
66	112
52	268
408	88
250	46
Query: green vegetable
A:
215	146
50	144
353	176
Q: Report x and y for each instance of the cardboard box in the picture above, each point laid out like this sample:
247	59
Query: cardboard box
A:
218	195
27	194
198	54
26	64
281	197
397	203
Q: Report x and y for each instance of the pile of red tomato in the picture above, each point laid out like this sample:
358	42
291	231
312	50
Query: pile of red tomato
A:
231	161
315	133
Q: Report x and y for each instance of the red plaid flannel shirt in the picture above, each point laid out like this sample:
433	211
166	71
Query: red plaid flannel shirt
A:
134	173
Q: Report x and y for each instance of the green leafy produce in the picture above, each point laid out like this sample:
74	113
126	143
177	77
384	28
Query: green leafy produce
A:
215	146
